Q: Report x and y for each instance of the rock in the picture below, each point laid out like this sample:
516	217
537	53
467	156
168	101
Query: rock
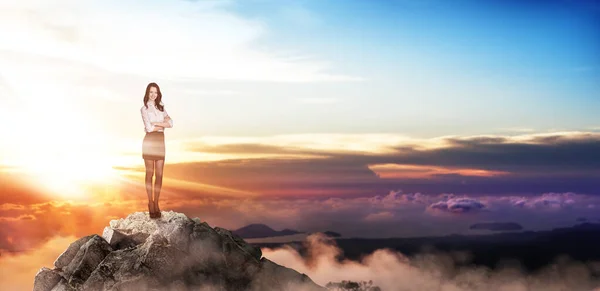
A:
67	256
275	277
239	242
86	260
178	235
171	253
119	268
63	285
46	279
119	240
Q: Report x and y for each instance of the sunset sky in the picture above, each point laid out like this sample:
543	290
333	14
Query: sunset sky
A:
369	118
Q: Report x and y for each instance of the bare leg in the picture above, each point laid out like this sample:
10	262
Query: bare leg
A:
149	173
158	182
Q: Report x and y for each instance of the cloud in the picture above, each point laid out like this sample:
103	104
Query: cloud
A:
546	201
338	191
397	197
246	148
493	152
379	216
282	177
27	227
19	270
386	268
517	129
437	271
316	100
176	39
523	164
21	217
23	227
458	205
18	191
527	153
300	15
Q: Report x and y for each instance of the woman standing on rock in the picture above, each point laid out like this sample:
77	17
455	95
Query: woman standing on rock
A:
155	119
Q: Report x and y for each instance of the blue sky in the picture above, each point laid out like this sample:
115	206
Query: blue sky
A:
536	60
408	67
486	36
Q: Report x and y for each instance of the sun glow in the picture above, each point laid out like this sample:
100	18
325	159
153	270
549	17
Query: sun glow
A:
55	141
66	161
68	177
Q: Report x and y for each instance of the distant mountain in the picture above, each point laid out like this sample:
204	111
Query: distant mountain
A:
261	230
496	226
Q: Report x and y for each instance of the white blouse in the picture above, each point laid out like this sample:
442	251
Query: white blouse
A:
152	114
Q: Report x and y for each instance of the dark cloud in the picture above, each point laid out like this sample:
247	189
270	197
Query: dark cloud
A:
560	163
283	177
548	154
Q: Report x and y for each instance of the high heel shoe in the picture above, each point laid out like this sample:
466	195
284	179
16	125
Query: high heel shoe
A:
151	210
157	209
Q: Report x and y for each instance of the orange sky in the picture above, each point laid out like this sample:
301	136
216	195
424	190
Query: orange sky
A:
75	198
42	209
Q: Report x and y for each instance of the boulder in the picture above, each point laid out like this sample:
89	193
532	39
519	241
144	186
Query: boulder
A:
173	252
46	279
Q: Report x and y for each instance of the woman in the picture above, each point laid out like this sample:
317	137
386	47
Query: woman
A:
155	119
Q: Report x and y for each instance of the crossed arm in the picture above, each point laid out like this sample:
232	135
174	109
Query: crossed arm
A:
168	123
156	126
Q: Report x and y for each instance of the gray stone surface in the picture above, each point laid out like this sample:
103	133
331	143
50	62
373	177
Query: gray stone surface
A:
63	285
173	252
119	240
46	279
67	256
86	260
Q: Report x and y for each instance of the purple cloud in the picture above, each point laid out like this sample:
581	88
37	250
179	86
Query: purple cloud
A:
458	205
397	197
546	201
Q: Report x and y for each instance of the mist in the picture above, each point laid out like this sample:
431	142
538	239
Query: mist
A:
391	270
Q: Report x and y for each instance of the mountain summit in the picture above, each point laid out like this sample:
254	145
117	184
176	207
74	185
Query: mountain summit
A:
171	253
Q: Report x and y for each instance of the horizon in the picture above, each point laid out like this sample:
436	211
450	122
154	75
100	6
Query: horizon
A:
368	118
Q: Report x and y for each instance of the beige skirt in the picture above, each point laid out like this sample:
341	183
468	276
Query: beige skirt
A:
153	147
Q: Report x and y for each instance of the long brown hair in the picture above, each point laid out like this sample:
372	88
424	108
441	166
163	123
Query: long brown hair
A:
158	100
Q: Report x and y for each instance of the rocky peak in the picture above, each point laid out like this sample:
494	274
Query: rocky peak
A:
170	253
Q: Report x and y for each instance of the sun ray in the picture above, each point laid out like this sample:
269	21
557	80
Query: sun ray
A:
136	177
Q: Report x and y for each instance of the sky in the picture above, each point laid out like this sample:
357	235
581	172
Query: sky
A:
368	118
